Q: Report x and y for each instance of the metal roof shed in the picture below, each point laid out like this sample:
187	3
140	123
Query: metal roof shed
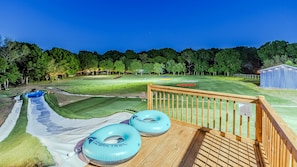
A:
281	76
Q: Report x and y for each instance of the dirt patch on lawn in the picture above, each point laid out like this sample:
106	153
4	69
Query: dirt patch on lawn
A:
117	77
7	99
64	99
186	85
5	108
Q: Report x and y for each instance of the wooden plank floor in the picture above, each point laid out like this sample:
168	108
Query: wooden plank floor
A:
184	145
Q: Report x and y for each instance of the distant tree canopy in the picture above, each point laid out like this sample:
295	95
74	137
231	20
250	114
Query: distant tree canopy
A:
277	52
22	62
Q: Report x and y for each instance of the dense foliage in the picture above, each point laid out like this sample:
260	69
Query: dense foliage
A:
22	62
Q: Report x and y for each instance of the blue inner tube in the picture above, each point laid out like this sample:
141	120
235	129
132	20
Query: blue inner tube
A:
112	144
37	93
150	122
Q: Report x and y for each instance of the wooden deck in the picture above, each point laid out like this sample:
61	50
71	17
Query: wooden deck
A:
186	145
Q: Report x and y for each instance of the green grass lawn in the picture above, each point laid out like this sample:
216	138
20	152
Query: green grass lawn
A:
22	149
283	101
96	106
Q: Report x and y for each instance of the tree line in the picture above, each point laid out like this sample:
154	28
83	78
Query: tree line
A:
21	62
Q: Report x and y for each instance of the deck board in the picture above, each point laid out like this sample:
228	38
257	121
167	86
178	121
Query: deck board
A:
186	145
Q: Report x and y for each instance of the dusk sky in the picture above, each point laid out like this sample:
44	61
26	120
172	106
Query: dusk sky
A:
141	25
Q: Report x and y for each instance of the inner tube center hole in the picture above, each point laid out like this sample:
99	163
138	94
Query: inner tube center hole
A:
149	119
114	139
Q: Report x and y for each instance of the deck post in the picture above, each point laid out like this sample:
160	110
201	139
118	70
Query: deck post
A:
259	115
149	97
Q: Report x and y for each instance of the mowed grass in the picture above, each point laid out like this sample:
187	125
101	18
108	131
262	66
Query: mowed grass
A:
22	149
103	85
96	106
284	102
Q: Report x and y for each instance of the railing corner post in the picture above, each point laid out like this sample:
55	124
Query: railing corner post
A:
259	116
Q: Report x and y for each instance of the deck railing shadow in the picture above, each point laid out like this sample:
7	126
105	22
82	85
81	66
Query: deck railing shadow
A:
242	118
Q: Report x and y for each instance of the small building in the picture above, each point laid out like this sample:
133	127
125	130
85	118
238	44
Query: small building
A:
282	76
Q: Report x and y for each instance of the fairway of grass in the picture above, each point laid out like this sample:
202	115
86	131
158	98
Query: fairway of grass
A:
283	101
96	106
22	149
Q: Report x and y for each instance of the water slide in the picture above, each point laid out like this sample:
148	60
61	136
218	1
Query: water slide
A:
60	135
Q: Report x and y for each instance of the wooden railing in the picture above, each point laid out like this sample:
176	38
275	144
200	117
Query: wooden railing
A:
244	118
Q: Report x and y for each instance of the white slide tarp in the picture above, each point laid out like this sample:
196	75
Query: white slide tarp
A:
11	119
60	135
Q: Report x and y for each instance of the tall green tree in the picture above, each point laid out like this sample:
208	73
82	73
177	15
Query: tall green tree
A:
271	49
292	51
113	55
169	54
64	58
189	57
128	57
170	65
250	59
180	68
277	60
106	65
202	62
119	66
228	61
135	66
143	57
88	61
10	52
33	65
159	68
159	59
148	68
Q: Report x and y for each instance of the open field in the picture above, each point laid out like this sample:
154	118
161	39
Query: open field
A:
22	149
283	101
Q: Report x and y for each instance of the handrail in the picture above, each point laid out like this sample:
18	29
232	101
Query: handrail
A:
217	111
280	142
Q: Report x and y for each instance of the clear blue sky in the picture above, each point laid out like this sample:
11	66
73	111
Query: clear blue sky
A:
141	25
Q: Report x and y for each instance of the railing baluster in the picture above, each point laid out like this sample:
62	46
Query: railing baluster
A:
187	111
270	142
192	106
164	101
248	127
208	111
160	101
277	149
234	116
156	100
172	103
168	104
182	107
227	116
240	125
197	110
287	158
221	119
177	106
202	121
273	147
281	151
214	113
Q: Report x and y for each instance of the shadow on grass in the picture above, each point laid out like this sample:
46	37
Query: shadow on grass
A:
253	81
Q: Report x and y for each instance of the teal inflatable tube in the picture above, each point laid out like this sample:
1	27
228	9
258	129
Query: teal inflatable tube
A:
33	94
150	122
112	144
